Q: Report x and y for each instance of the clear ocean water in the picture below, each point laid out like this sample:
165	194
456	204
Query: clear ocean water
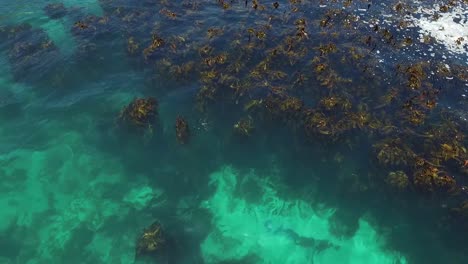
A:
318	132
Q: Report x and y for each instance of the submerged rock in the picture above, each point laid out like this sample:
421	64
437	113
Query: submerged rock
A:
142	197
55	10
31	53
318	245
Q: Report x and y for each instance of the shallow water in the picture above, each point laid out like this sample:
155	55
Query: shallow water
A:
78	187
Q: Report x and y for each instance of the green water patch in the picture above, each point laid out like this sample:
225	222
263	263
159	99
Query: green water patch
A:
60	35
12	92
65	201
273	229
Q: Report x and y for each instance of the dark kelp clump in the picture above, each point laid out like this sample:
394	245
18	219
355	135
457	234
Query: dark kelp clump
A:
140	114
244	127
182	130
152	243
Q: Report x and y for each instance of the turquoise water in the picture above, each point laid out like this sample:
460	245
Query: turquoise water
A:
78	187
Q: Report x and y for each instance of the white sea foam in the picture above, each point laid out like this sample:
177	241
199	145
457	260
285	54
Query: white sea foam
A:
451	27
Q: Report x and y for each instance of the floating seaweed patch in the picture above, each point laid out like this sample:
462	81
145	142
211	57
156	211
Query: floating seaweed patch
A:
141	113
132	46
168	13
182	130
398	180
244	127
152	242
428	179
155	44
